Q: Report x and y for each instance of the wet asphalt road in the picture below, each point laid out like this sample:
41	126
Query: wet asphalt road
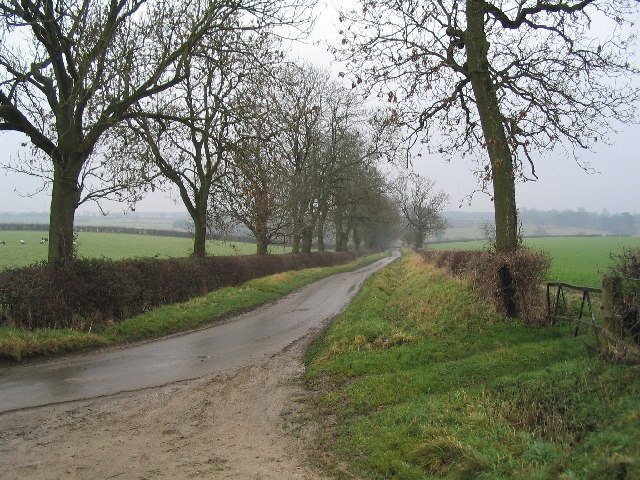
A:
243	339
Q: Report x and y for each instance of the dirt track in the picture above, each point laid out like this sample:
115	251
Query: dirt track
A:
244	424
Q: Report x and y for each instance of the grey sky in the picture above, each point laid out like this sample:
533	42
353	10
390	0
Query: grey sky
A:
562	183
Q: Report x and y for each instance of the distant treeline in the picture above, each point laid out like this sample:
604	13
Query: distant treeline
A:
32	227
42	227
617	224
613	224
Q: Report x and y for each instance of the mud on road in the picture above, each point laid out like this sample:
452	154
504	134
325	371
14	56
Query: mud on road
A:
248	423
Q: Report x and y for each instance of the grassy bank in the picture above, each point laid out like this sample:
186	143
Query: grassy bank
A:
18	344
579	260
419	379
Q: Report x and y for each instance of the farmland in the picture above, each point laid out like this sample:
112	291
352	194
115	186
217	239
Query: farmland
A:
112	245
579	260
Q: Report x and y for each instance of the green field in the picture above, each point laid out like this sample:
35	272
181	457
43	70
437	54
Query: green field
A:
473	232
578	260
112	245
419	379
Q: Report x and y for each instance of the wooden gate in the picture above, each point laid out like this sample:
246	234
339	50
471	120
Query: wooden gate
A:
556	310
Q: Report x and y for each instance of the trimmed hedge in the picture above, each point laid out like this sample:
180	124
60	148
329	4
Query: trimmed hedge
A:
93	292
528	270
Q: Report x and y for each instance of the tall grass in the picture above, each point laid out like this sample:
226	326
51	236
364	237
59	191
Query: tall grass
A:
419	379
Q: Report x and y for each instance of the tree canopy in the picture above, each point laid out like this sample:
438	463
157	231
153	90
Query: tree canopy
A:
508	77
72	70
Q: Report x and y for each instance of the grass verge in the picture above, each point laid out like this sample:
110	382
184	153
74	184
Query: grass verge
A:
18	344
419	379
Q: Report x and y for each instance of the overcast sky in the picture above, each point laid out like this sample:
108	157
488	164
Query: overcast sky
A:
562	183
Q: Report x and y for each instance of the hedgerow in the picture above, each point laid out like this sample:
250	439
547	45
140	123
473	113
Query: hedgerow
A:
528	270
88	293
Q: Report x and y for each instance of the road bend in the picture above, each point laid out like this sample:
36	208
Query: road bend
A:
234	343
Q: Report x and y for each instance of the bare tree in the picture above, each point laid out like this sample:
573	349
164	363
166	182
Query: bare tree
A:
104	176
382	222
352	144
303	138
352	187
328	135
421	206
342	150
190	133
70	71
256	192
508	77
365	210
303	94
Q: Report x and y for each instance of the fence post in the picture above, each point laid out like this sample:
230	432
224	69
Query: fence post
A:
612	322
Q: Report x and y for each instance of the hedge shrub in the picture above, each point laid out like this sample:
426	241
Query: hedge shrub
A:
99	291
626	267
528	270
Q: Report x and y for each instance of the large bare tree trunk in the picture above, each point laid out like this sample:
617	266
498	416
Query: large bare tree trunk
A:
262	247
342	242
307	238
65	196
338	218
502	170
199	217
295	243
342	239
261	228
296	236
200	235
321	246
320	234
357	241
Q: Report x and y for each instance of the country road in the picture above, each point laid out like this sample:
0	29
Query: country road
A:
241	340
226	402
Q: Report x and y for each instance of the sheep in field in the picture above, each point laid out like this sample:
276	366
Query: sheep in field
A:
22	242
2	242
